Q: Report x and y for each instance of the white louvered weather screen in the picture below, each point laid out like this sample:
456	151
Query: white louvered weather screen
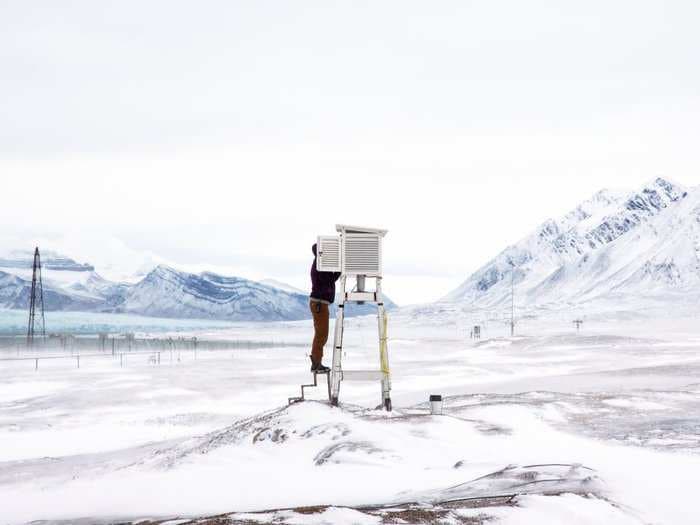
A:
362	254
328	253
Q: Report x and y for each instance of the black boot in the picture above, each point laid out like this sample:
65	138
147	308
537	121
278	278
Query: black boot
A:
319	368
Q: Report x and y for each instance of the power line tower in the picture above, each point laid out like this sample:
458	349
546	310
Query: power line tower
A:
36	301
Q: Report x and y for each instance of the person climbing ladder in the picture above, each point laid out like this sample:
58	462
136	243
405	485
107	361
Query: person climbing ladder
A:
321	297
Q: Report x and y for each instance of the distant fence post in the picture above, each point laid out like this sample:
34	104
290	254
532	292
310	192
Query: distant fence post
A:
75	347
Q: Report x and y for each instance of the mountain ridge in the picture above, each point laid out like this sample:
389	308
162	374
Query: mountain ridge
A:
614	243
163	292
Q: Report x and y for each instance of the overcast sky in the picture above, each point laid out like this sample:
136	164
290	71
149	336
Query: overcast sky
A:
227	135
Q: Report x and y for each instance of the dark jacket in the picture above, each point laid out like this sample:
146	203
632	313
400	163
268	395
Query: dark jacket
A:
322	283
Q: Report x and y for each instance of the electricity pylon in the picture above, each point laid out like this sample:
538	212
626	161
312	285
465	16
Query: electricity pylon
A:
36	300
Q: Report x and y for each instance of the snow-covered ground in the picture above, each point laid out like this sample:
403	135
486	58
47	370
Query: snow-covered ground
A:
609	416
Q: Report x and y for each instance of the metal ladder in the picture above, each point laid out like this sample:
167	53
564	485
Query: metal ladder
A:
337	373
301	398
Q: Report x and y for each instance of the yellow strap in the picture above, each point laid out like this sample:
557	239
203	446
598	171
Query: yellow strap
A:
383	358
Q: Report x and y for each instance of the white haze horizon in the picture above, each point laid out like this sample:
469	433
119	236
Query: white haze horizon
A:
115	260
227	137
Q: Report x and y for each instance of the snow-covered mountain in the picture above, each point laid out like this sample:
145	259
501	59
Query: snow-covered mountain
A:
616	246
166	292
67	284
162	292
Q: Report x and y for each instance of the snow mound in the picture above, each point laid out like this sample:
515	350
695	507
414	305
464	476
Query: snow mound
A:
332	435
401	464
349	437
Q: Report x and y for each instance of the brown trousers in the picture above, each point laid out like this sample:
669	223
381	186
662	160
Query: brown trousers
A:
320	313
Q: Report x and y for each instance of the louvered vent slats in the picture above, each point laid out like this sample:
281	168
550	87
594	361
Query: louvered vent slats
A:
328	250
350	253
362	254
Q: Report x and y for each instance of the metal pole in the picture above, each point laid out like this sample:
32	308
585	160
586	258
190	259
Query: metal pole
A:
512	299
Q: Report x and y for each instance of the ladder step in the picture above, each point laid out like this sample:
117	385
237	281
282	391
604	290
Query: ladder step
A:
362	297
362	375
292	400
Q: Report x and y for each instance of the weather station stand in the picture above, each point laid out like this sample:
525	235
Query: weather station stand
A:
356	252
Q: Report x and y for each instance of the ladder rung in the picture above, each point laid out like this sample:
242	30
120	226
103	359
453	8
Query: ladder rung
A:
362	375
365	297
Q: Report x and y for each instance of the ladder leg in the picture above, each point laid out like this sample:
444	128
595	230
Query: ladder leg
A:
384	357
336	367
